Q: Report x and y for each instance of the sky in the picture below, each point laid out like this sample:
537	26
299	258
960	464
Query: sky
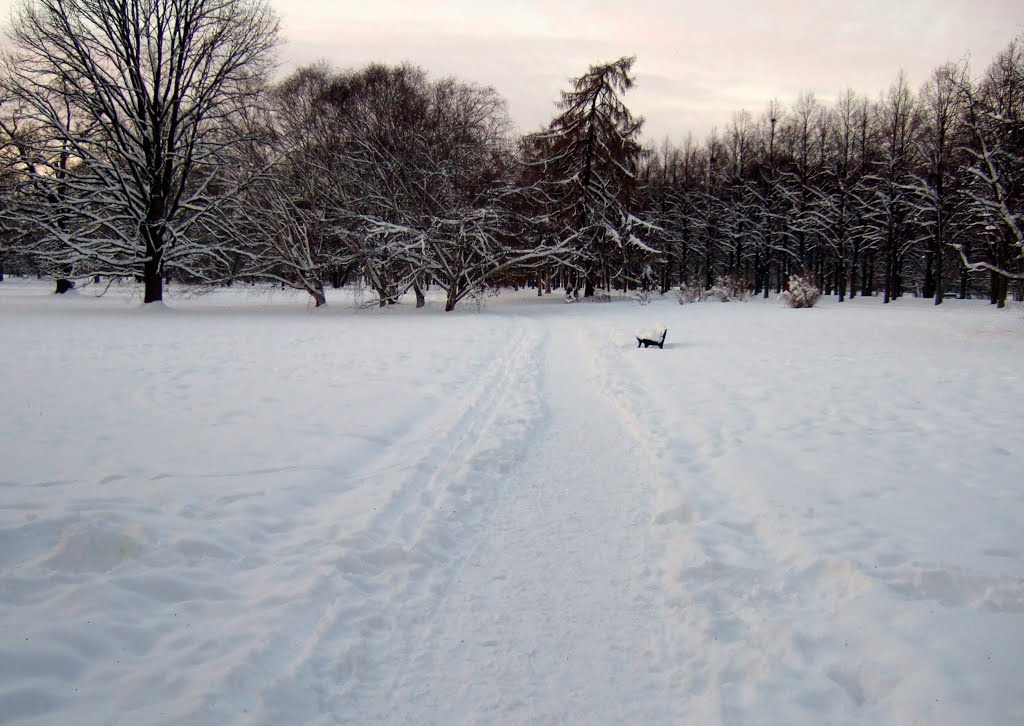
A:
697	62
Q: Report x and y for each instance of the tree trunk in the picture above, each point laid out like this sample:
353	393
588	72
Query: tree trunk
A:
154	291
889	272
421	299
64	284
317	292
929	289
151	268
853	275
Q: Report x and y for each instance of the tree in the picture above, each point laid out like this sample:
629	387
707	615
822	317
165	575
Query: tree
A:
37	162
588	157
770	204
805	132
832	209
288	220
995	172
707	209
155	85
889	219
382	170
937	197
427	174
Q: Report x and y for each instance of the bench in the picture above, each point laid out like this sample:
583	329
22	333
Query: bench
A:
650	337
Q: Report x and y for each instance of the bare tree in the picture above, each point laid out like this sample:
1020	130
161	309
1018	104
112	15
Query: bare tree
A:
995	173
889	220
770	202
936	192
155	84
37	163
804	130
382	170
832	209
426	173
287	222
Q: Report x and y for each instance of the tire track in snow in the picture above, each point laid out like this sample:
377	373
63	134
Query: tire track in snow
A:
549	614
727	583
752	599
382	580
678	507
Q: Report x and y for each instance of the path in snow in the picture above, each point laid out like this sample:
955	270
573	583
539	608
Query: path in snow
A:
505	579
381	579
608	553
548	615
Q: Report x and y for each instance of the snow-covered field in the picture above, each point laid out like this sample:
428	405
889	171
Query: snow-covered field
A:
239	510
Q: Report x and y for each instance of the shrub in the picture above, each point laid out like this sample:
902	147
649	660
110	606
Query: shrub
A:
644	295
727	288
801	293
689	293
730	288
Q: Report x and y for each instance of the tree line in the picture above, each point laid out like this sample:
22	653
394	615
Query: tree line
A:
143	139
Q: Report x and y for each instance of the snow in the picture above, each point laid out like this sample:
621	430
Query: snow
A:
245	511
651	332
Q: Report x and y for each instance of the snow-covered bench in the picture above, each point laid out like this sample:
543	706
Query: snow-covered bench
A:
651	336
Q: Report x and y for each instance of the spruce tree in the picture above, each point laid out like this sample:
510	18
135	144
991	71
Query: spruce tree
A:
587	162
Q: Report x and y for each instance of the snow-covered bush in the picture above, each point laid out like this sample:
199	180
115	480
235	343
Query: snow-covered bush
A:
689	293
730	288
644	295
727	288
802	293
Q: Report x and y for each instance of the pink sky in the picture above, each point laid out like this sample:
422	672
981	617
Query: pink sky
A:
698	62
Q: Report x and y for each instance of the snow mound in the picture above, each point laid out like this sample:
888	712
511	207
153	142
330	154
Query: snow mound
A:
93	549
157	307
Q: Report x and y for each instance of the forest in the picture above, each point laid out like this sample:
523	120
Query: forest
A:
150	140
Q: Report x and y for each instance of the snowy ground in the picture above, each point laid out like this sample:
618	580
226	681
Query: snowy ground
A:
238	510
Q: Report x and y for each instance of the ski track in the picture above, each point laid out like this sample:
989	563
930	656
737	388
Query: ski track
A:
381	582
547	617
489	588
558	529
758	593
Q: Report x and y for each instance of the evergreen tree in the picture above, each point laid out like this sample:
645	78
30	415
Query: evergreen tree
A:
588	160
